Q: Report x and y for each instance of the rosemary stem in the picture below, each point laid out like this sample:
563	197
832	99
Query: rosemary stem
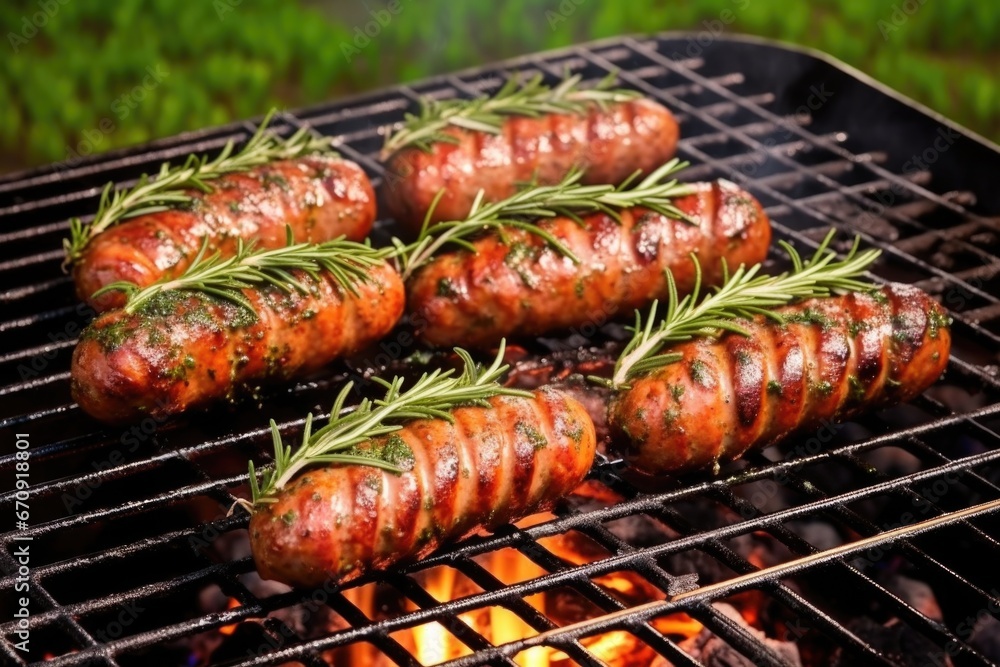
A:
741	295
170	186
486	114
348	262
528	208
434	395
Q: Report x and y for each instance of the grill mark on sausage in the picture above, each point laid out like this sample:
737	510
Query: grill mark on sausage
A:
608	144
747	370
811	348
319	198
871	320
339	551
534	291
200	349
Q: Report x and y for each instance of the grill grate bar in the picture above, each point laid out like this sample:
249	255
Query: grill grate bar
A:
907	612
34	232
31	290
561	524
41	350
197	141
758	110
780	591
545	582
94	193
21	262
132	508
687	602
204	575
38	593
33	384
34	319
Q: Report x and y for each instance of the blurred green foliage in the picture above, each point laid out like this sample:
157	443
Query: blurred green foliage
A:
77	74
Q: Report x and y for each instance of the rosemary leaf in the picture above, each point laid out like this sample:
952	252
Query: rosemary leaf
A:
347	261
487	114
433	396
168	189
743	294
523	210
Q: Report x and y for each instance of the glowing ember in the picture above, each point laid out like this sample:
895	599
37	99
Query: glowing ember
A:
678	625
233	603
617	649
433	644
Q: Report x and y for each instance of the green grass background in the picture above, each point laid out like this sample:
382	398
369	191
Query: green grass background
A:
62	84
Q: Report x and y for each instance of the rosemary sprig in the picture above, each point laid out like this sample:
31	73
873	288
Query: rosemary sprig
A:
742	295
567	198
433	396
226	278
167	189
487	114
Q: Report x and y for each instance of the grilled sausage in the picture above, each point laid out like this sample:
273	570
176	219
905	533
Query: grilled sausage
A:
181	349
832	358
517	284
493	465
608	144
321	198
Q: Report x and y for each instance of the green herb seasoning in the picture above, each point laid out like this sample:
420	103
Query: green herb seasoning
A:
517	256
269	179
822	388
699	372
811	317
445	288
856	388
854	327
575	432
937	320
111	336
392	450
537	440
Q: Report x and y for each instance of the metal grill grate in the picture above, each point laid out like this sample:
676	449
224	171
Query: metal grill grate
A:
124	524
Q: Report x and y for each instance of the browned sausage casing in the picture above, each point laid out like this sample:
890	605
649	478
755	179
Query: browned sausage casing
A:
186	350
493	465
321	198
832	359
608	144
518	285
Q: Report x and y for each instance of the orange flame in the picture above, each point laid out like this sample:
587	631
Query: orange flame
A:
233	603
679	624
433	644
